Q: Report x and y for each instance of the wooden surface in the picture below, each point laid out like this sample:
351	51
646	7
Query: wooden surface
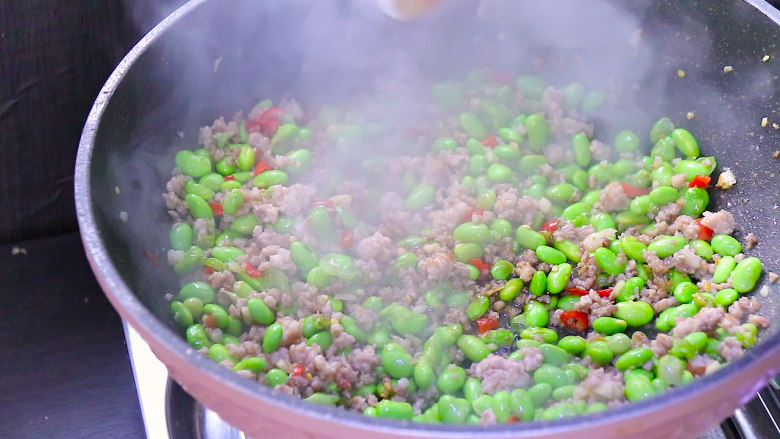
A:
64	367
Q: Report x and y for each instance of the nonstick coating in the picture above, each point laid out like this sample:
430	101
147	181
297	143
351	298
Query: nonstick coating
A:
163	92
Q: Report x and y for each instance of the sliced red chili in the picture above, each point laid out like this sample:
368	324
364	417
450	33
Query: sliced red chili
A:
208	270
605	292
512	419
298	370
634	191
705	233
490	141
267	123
210	321
550	226
702	181
577	291
485	324
480	264
473	211
576	320
230	177
344	384
262	167
216	208
346	239
252	271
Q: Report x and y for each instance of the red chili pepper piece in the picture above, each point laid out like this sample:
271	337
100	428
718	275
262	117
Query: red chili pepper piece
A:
252	271
346	239
216	208
267	123
324	203
576	320
634	191
702	181
344	384
298	370
512	419
208	270
577	291
262	167
473	211
550	226
605	292
490	141
705	233
480	264
485	324
230	178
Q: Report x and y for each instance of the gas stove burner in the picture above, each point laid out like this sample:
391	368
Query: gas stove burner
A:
170	413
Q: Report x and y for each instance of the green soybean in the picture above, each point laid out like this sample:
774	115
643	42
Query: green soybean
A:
501	269
608	261
472	347
538	131
472	232
538	285
270	178
552	375
581	146
609	325
695	201
499	173
723	269
198	289
396	361
626	141
685	142
444	144
684	291
561	192
420	197
272	338
638	387
194	165
387	408
451	379
746	274
726	296
529	238
665	246
511	290
557	279
663	195
702	248
725	245
634	313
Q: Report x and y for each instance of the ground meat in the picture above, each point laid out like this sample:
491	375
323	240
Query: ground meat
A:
750	241
730	349
685	226
601	386
499	373
668	213
705	320
599	150
376	246
520	210
721	222
687	261
745	305
595	305
661	345
613	199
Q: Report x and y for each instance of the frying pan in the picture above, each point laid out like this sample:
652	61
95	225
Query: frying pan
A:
212	57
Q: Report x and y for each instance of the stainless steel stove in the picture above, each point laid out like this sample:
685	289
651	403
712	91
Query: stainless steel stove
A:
170	413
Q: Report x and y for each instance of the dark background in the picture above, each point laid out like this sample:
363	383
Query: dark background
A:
64	370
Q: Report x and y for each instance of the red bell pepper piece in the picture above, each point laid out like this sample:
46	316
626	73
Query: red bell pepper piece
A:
576	320
485	324
252	271
702	181
490	141
480	264
267	123
634	191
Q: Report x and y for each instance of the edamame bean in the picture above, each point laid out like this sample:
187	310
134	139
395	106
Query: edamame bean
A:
198	207
510	135
554	355
472	232
530	163
507	153
270	178
581	146
538	285
276	377
626	141
726	296
609	325
633	248
198	289
561	192
232	201
536	314
303	160
388	408
618	343
634	313
196	337
531	86
725	245
511	289
685	142
478	307
473	348
272	338
665	246
501	269
558	278
701	248
602	221
662	128
638	387
472	126
396	361
499	173
550	255
502	406
246	158
538	131
746	274
194	165
663	195
323	338
546	335
451	379
723	269
540	393
445	144
472	389
684	291
634	358
466	251
252	364
572	344
245	224
529	238
696	200
608	261
420	197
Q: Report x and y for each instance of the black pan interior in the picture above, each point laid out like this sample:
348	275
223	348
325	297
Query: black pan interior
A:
219	59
